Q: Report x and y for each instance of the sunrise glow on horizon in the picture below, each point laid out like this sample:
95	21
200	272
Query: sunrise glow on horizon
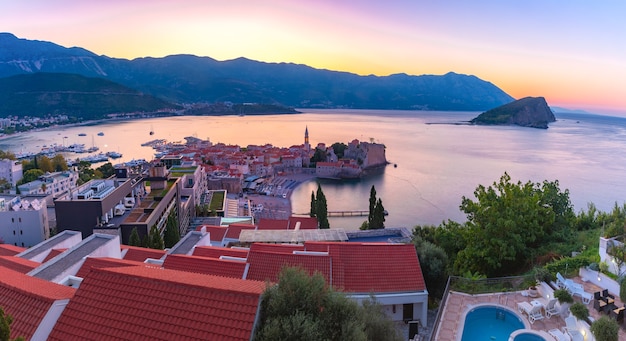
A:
572	53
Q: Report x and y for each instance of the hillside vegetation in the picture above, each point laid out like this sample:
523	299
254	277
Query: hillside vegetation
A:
41	94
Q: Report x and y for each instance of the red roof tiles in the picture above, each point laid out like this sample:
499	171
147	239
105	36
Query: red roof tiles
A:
104	262
235	229
217	233
140	254
142	303
266	266
53	253
276	248
27	299
217	252
306	223
18	264
209	266
10	250
272	224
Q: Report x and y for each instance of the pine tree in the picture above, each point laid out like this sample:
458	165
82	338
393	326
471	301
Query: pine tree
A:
5	325
370	215
154	239
313	212
172	234
134	239
321	209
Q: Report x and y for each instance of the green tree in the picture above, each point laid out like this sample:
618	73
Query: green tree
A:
321	208
605	329
107	170
378	218
339	149
134	239
7	155
45	164
31	175
370	215
5	327
313	212
303	307
508	223
155	241
59	164
434	264
171	236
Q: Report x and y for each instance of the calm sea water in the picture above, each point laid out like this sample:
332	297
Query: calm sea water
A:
437	161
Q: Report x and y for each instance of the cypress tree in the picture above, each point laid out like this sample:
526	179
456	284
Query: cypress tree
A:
321	209
370	215
172	234
378	219
5	325
154	239
313	212
134	239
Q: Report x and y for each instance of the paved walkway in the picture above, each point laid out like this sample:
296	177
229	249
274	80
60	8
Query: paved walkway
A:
458	303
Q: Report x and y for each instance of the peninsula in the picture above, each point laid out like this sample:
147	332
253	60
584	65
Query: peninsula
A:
532	112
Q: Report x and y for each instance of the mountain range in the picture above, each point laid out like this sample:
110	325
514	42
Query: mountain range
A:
183	79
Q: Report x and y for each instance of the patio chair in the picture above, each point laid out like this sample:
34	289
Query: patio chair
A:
559	335
571	328
535	314
551	308
560	280
597	295
524	307
606	295
599	304
617	316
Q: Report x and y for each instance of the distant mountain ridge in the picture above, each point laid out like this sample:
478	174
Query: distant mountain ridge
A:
188	79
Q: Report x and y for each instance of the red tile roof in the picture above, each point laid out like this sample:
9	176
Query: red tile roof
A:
235	229
105	262
209	266
143	303
306	223
272	224
140	254
217	252
27	299
10	250
266	266
53	253
276	248
18	264
217	232
373	267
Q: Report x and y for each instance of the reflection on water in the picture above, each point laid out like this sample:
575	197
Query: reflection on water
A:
437	164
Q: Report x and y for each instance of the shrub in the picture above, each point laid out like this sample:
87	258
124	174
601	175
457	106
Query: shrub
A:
605	329
563	296
567	265
594	266
622	290
580	311
543	275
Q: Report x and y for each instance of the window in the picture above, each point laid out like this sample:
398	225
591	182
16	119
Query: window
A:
407	312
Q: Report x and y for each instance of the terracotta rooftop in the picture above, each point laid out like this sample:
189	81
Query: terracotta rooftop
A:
10	250
217	232
28	299
217	252
104	262
272	224
266	266
18	264
306	223
208	266
277	248
143	303
53	253
235	229
140	254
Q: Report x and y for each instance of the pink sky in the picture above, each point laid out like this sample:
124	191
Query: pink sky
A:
572	53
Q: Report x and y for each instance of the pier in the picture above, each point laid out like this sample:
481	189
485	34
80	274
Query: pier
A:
354	213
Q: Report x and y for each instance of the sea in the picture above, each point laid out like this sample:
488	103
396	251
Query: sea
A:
436	158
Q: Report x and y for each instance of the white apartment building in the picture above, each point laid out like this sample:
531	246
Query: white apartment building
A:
24	220
51	183
11	171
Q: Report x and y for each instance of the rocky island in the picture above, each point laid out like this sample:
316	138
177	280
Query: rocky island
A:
531	112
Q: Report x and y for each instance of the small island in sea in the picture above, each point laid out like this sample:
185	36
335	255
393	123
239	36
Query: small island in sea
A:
532	112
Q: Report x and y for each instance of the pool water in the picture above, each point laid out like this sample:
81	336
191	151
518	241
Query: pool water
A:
490	323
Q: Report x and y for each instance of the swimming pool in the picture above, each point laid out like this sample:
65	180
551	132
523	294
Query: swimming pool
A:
529	335
490	323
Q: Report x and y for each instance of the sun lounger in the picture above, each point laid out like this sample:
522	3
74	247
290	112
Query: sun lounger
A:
524	307
559	335
551	308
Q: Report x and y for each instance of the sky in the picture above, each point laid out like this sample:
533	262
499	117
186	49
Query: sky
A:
573	52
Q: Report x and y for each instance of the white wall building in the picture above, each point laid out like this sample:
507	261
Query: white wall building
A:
24	221
11	171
